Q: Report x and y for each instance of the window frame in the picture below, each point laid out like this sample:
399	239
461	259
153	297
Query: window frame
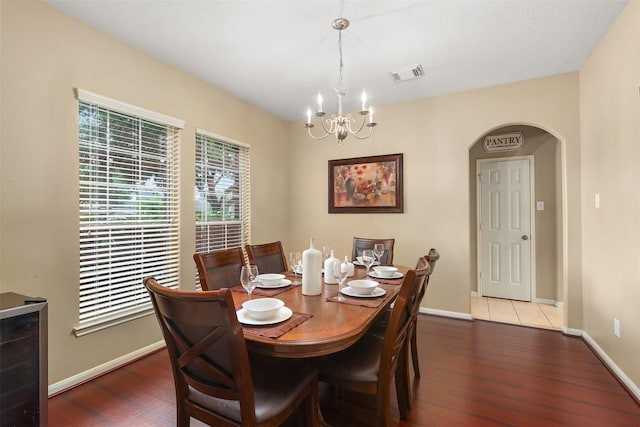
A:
106	297
243	169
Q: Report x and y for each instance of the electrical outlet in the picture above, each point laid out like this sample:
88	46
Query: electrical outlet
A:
616	327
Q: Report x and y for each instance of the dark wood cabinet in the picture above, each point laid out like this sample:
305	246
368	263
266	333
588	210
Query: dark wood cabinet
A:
23	360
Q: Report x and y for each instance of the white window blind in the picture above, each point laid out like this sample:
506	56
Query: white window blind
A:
129	209
223	210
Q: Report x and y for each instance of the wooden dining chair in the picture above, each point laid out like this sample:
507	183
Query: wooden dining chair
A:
370	364
432	258
379	328
361	243
269	257
219	269
217	380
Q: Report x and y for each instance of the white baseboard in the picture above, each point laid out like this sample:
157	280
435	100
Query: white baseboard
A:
88	375
612	366
572	332
444	313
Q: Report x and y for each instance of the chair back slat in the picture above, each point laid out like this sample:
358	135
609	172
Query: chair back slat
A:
219	269
361	243
269	257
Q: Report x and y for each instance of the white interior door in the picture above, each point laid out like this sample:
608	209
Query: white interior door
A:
505	245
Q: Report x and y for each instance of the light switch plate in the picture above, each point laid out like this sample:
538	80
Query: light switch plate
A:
540	205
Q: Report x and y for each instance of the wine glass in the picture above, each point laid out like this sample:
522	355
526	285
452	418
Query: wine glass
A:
249	278
340	272
378	251
368	258
326	252
296	260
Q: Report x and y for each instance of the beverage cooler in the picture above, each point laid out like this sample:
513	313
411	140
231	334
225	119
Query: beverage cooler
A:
23	360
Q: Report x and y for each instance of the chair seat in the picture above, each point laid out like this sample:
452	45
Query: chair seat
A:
277	383
379	326
359	363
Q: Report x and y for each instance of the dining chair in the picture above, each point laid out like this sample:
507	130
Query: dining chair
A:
361	243
217	380
380	325
370	364
269	257
219	269
432	258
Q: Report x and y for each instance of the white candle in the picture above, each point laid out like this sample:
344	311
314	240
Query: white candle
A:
319	103
308	115
370	115
364	100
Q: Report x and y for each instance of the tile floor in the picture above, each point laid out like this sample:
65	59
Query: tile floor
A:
518	312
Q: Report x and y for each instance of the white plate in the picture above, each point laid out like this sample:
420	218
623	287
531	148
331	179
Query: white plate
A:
282	284
396	275
362	265
377	292
283	314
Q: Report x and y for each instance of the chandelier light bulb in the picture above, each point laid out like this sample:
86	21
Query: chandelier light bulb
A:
364	100
319	103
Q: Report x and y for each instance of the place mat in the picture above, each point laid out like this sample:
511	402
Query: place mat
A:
262	291
397	281
364	302
279	329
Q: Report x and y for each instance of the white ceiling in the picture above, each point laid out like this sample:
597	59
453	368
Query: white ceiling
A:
278	54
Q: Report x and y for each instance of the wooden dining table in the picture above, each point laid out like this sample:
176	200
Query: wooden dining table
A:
322	326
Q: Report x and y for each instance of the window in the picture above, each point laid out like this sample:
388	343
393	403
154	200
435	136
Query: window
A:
222	193
129	208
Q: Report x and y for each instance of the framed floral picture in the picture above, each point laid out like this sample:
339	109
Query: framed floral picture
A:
366	185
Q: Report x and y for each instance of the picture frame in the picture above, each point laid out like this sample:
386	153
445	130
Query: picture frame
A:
366	184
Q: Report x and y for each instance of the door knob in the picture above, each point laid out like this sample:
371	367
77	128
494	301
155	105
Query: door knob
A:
525	237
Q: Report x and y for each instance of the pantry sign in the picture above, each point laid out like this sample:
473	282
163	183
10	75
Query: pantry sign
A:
504	142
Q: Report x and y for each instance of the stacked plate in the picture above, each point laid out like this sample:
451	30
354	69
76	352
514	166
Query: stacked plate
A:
263	311
272	281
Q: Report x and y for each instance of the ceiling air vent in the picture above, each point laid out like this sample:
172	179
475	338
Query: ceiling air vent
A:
407	73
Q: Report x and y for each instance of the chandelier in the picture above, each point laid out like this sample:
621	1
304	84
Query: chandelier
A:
342	125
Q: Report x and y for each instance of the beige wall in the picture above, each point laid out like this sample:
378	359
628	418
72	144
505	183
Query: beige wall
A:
45	55
435	135
610	126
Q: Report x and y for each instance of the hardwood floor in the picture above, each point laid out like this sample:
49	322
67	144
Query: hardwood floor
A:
476	373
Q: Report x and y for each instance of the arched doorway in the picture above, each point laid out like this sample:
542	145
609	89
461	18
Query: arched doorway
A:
546	292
